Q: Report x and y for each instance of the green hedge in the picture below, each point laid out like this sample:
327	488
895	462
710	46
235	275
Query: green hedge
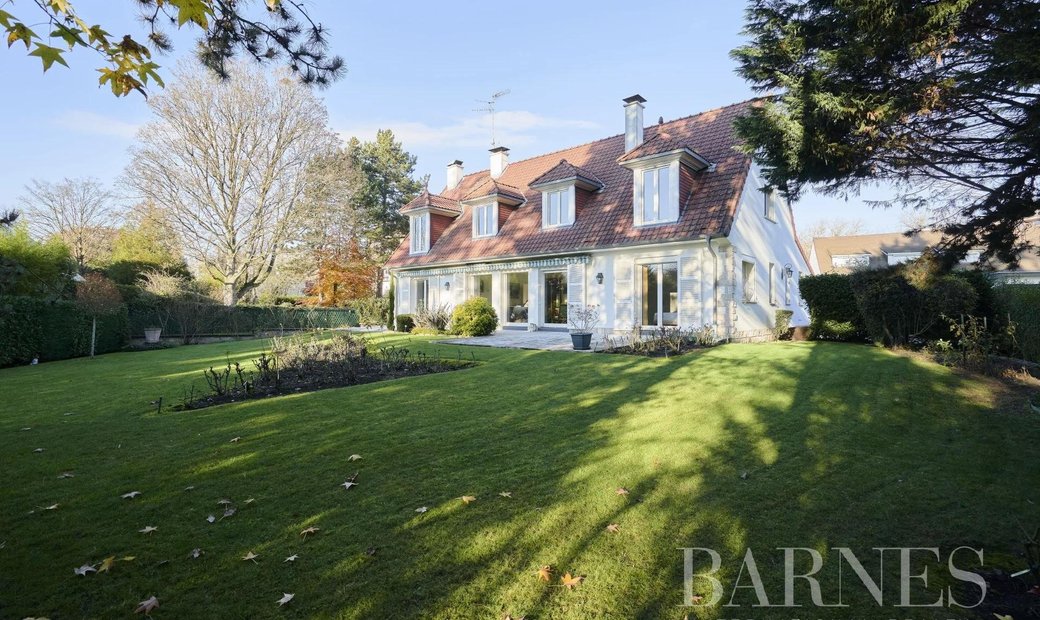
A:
53	330
1022	303
833	312
248	320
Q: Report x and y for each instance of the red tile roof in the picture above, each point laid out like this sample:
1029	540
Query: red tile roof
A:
491	187
606	218
565	170
425	200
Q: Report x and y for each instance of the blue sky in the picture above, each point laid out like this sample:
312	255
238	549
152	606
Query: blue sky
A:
420	68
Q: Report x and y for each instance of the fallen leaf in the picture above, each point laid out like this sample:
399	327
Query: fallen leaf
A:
569	581
196	553
510	617
128	558
346	485
622	491
83	570
27	428
65	474
421	509
466	499
38	450
371	551
146	606
190	487
506	494
51	507
130	495
148	529
236	439
250	556
224	502
613	528
354	457
249	501
696	598
1003	616
211	518
744	475
286	597
291	558
310	530
106	564
228	512
545	573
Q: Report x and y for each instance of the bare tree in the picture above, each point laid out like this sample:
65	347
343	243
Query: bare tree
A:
226	161
831	228
78	211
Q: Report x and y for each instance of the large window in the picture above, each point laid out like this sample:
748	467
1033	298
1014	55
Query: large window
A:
657	194
660	295
420	233
557	209
770	202
772	284
556	298
485	220
747	269
422	293
517	308
482	287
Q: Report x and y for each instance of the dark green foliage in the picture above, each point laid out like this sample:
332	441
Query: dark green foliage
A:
390	306
128	272
985	300
1022	303
32	268
896	309
939	97
782	326
405	323
833	311
54	330
246	320
474	317
371	311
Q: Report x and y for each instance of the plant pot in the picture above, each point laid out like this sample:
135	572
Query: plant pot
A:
151	335
581	342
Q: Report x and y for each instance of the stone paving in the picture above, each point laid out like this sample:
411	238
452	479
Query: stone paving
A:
517	339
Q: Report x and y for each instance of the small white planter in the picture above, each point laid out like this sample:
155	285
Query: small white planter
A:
151	335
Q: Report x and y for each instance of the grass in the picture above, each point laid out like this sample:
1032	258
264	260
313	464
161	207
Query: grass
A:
842	446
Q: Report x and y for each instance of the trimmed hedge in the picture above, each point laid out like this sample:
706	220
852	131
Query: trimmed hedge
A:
248	320
1021	302
833	311
897	307
54	330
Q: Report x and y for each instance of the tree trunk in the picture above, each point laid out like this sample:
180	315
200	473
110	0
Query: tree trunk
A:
230	294
93	334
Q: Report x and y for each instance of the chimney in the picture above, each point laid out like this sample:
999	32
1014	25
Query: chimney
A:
454	174
499	161
633	121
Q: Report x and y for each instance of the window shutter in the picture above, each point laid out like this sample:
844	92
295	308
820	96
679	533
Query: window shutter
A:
404	286
458	288
689	290
623	318
576	285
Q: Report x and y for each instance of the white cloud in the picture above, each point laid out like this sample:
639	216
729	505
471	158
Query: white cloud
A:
82	121
513	128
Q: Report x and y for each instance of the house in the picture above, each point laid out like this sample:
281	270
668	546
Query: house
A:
662	226
845	254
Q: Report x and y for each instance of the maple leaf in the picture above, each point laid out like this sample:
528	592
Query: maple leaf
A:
354	457
196	553
310	530
614	528
622	491
250	556
107	563
146	606
49	55
421	509
130	495
506	494
545	573
570	581
235	439
291	558
211	518
83	570
466	499
148	529
286	597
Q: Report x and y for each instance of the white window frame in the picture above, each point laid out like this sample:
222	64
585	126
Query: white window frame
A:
490	217
772	285
749	293
419	229
899	258
787	287
667	216
769	207
417	285
565	213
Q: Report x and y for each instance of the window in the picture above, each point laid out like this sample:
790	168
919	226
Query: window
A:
657	196
485	220
557	208
787	287
769	203
482	287
422	293
772	284
748	270
420	232
517	308
898	258
660	295
850	261
556	298
973	256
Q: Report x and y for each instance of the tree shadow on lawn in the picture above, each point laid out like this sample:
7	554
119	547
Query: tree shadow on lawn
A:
842	445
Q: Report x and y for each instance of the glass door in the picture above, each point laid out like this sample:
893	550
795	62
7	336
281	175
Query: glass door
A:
517	301
660	292
556	298
482	287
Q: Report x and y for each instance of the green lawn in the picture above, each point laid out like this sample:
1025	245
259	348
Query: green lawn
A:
843	446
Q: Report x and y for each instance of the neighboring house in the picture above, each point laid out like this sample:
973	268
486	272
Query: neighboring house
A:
848	253
663	226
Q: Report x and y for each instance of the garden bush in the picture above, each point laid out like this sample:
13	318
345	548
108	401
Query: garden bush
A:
833	312
434	319
371	311
1021	303
782	326
405	323
54	330
474	317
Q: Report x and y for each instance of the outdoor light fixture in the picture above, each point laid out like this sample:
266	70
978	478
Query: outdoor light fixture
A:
789	270
447	285
599	278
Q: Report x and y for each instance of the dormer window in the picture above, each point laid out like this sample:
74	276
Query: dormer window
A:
485	220
420	233
658	198
558	207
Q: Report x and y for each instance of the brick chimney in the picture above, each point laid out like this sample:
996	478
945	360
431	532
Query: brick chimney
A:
633	121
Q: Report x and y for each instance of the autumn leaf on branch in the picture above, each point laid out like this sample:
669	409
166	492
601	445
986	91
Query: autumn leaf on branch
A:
570	581
545	573
146	606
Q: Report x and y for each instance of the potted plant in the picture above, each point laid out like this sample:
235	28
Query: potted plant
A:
583	320
152	334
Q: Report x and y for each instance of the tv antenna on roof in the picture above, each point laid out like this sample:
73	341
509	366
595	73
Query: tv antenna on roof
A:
490	108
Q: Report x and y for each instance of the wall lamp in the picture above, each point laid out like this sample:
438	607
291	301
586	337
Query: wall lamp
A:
599	278
447	285
789	270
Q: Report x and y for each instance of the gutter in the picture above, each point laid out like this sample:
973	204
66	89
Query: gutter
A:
714	282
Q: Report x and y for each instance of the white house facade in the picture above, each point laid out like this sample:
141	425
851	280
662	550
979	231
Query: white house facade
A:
668	226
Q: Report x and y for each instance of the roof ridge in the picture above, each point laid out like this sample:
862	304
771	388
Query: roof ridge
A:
620	135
